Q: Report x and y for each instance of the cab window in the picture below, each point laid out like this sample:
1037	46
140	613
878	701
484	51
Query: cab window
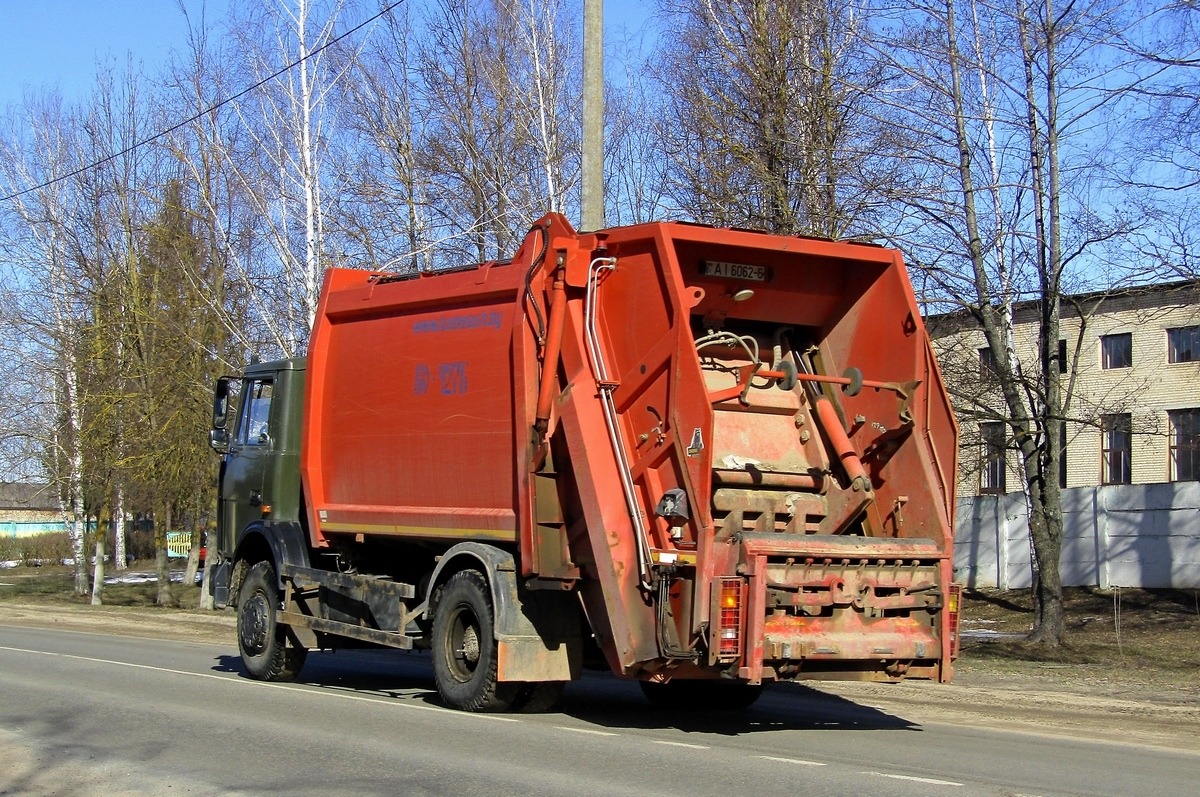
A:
256	412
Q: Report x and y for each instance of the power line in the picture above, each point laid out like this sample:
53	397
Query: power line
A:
204	112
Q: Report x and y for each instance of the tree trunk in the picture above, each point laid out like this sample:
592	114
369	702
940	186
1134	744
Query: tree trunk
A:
193	560
78	531
1049	621
98	572
160	551
118	527
206	600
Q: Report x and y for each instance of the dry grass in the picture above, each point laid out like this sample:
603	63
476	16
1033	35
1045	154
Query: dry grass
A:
55	585
1127	636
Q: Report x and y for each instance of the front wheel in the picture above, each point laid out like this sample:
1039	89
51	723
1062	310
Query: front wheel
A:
266	651
464	647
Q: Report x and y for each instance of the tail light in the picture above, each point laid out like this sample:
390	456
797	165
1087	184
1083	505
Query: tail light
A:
729	625
953	604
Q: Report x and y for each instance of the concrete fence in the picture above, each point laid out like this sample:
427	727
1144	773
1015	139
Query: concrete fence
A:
1129	535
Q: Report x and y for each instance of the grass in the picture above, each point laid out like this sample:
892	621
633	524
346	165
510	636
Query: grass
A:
1119	635
54	584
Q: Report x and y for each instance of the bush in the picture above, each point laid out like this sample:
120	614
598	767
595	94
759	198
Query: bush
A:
49	548
139	544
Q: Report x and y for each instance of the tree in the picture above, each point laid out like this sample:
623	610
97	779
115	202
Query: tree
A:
384	209
1009	197
174	338
278	156
636	169
766	126
1163	160
47	255
499	141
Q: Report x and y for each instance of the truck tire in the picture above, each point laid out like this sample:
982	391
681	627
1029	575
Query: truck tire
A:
267	653
701	695
464	648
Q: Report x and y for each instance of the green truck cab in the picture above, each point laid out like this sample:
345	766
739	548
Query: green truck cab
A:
256	429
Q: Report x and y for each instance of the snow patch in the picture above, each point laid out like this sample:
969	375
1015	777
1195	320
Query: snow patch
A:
148	577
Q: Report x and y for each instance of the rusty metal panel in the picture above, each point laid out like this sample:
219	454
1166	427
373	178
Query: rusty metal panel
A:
530	659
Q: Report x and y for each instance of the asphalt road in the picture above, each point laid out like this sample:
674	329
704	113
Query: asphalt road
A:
90	714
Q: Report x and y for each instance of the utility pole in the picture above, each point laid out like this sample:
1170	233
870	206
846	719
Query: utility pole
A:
591	208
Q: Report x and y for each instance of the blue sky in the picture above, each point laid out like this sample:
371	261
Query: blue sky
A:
47	44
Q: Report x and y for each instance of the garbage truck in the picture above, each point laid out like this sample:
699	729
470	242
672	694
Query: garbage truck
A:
705	459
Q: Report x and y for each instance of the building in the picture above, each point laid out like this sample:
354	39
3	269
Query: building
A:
1133	413
28	509
1129	361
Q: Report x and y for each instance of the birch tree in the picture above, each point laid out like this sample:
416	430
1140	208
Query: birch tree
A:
767	125
212	156
1010	196
502	146
120	112
35	149
281	152
383	212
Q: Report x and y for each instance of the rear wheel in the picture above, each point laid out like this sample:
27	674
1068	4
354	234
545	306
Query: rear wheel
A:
266	650
464	648
701	695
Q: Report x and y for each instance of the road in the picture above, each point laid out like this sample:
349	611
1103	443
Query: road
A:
91	714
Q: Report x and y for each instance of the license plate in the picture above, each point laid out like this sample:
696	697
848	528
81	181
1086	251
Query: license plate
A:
737	271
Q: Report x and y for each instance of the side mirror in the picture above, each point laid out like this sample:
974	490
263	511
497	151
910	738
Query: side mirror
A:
221	403
219	440
218	436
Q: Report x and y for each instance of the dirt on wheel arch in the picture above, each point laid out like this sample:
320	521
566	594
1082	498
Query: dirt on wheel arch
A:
994	687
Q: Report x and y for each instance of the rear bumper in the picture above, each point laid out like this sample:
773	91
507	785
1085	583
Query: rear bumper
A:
837	607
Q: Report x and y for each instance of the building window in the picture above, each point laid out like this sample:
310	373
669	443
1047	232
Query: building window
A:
992	473
987	363
1183	345
1116	351
1062	355
1062	454
1116	449
1185	444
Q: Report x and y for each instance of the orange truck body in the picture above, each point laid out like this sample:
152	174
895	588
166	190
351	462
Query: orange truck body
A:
732	451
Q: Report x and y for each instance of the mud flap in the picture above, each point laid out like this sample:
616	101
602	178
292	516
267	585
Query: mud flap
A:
218	585
538	634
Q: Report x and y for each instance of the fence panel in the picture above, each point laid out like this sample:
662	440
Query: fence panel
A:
1139	535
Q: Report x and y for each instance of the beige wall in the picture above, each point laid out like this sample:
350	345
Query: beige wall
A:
1147	390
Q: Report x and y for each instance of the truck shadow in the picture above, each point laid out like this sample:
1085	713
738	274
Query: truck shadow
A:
378	672
598	698
610	702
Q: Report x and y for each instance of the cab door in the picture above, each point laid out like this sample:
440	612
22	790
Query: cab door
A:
247	460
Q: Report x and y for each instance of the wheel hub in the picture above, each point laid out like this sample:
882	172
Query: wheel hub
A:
470	645
253	624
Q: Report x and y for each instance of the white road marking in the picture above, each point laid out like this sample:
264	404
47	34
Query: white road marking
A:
247	682
584	730
799	761
683	744
931	781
